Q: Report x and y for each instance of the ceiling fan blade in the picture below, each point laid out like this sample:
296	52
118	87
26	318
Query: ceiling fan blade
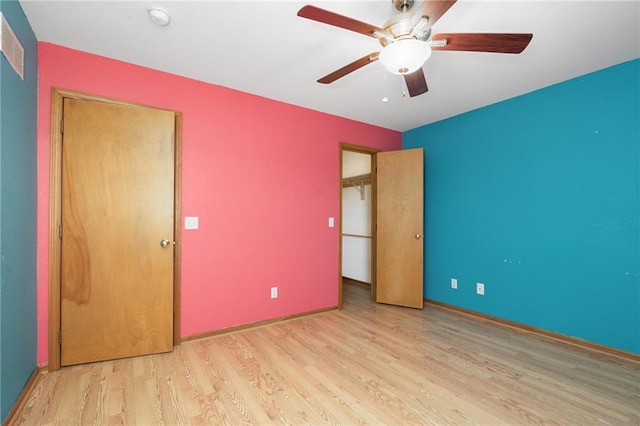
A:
435	9
331	18
481	42
416	83
357	64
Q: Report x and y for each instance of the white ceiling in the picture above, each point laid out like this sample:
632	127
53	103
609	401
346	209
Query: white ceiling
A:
262	47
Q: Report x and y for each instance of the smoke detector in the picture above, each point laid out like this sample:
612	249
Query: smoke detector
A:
159	17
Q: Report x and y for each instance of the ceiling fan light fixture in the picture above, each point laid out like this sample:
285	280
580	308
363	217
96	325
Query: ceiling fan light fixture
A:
405	56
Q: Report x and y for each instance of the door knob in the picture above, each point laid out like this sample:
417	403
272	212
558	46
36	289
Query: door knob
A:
164	243
418	236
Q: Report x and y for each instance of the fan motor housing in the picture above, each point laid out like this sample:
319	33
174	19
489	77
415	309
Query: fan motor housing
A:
405	25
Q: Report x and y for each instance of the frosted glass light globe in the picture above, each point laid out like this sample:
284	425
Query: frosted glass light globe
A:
405	56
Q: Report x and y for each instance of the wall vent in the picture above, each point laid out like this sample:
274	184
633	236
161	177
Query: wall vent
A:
11	48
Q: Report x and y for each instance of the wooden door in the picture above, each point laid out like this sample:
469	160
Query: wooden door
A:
117	207
399	254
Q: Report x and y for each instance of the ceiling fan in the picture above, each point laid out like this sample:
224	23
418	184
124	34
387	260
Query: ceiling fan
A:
407	41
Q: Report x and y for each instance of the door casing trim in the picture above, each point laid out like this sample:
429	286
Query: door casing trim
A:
344	146
55	215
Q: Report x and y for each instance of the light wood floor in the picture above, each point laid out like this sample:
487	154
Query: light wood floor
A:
368	363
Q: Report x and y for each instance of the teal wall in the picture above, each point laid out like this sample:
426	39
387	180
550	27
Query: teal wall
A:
537	197
17	214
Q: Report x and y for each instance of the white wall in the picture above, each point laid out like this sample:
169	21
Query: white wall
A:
356	220
355	164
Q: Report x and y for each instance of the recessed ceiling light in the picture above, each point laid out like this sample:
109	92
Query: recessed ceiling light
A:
159	17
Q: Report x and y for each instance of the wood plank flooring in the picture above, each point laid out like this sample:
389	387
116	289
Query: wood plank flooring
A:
366	364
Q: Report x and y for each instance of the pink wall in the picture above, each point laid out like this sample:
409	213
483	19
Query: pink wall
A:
261	175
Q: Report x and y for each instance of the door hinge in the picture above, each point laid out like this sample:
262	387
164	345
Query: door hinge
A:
61	126
60	337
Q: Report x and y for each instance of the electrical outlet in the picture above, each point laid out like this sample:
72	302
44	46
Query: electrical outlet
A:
454	283
480	289
274	292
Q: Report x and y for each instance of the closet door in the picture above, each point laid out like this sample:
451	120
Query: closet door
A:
399	257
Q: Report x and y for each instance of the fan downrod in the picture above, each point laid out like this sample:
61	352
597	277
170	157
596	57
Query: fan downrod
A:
403	5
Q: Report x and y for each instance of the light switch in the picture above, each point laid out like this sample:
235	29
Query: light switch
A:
191	222
332	222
